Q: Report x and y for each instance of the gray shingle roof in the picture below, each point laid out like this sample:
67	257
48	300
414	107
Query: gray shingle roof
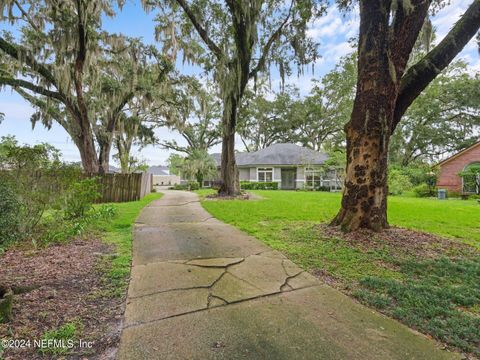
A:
158	170
278	154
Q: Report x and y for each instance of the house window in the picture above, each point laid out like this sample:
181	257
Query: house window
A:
265	174
313	178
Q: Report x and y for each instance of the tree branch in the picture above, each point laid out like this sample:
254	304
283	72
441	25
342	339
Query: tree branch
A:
266	48
53	113
27	18
405	29
422	73
172	145
13	52
14	83
201	30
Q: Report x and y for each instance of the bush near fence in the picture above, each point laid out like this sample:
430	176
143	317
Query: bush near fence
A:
246	185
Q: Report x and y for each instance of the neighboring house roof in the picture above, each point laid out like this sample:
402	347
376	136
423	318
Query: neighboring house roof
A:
460	153
158	170
278	154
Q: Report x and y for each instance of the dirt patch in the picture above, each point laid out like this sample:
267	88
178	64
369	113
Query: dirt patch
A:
244	196
56	285
402	242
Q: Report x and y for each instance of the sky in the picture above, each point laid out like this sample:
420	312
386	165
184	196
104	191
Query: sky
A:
332	31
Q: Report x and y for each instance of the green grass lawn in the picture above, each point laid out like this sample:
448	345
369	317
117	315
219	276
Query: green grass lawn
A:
118	231
433	286
452	218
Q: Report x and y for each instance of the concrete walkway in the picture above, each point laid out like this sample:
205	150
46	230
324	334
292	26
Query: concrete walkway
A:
201	289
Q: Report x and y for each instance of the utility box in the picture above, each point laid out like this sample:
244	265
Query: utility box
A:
442	194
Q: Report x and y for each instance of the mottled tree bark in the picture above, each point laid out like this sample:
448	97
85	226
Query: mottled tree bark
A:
384	92
364	198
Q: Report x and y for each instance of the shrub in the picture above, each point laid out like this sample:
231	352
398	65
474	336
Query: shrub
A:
190	186
423	190
398	182
81	197
246	185
10	214
193	185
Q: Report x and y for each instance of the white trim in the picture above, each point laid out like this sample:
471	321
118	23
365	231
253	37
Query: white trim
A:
313	171
266	171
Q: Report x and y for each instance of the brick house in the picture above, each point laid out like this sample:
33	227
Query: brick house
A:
448	177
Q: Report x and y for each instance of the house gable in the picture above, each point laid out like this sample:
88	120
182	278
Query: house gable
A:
448	177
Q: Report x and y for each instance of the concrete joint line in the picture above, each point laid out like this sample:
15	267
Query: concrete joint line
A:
140	323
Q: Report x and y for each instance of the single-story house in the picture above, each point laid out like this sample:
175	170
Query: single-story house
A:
448	176
161	175
291	165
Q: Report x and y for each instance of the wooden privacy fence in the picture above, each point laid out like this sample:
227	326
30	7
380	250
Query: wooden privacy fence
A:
124	187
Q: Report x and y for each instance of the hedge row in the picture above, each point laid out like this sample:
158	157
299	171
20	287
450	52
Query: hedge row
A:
246	185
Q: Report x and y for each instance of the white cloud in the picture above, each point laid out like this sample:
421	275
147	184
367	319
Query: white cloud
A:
334	25
333	52
446	18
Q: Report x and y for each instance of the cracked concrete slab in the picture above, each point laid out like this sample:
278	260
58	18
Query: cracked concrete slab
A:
314	323
265	273
301	280
201	289
215	262
191	241
162	305
173	214
233	289
290	268
157	277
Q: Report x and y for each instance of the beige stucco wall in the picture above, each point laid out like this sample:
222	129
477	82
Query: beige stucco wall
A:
166	179
253	174
277	174
244	174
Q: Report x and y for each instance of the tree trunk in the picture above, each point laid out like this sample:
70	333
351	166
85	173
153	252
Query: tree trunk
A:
124	159
364	202
228	173
228	170
104	157
384	93
200	179
88	155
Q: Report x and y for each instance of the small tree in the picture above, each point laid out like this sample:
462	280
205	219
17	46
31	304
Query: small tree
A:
198	166
175	164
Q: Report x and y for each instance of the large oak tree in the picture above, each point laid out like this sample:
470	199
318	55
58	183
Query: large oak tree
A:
72	72
385	90
235	41
198	119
